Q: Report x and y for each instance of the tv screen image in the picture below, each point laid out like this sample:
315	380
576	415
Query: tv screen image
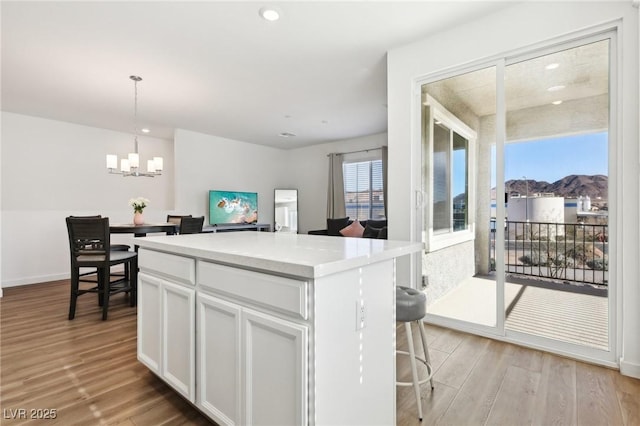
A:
227	207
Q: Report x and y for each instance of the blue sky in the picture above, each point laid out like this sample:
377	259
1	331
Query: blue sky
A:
553	159
549	159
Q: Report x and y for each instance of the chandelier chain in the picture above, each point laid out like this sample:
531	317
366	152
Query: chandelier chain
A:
131	166
135	79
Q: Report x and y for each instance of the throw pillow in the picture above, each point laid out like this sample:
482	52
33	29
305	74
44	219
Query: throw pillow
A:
370	231
335	225
353	230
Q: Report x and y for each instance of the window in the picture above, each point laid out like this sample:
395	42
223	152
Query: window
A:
450	175
363	189
448	144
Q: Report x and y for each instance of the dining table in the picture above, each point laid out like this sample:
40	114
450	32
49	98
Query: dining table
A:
144	229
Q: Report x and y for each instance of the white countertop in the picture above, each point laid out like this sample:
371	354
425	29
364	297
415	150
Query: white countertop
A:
308	256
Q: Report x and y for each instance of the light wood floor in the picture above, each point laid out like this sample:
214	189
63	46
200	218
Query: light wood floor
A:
87	370
479	381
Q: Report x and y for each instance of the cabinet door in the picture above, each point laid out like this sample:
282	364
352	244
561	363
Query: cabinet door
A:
276	373
178	338
149	321
219	358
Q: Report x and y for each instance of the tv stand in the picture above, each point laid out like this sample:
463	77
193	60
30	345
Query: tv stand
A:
238	227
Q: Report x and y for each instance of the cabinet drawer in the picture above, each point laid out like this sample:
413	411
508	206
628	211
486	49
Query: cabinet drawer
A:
283	294
178	268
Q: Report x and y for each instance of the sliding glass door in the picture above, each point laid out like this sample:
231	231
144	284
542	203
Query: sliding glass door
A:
557	182
515	198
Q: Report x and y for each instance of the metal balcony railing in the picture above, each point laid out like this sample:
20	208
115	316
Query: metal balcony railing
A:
571	252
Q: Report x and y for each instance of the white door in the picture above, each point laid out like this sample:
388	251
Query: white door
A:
178	337
219	358
149	321
276	370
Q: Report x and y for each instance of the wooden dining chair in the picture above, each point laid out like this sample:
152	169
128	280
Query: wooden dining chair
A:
89	245
176	219
191	225
90	276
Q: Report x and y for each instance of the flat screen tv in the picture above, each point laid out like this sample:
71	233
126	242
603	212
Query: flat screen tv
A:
229	207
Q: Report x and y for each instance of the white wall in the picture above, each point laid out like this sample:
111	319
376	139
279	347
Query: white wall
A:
206	162
52	169
309	168
67	176
518	27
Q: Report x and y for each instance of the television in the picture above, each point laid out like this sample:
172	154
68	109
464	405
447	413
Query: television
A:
229	207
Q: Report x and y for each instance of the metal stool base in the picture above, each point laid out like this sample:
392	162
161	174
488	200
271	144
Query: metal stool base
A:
426	364
416	382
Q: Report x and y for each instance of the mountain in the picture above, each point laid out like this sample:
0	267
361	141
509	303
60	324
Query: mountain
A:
596	186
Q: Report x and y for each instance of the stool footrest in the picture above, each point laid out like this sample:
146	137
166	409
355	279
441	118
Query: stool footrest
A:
423	361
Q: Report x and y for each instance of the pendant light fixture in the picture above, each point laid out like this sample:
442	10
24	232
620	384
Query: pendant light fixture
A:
130	166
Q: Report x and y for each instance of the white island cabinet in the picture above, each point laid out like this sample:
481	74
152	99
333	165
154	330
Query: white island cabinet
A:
261	328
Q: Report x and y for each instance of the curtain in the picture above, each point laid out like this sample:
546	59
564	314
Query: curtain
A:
385	179
335	189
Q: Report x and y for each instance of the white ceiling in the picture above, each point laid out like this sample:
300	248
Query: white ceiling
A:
215	67
581	72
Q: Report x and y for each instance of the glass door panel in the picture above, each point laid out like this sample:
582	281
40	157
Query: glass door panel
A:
458	186
556	177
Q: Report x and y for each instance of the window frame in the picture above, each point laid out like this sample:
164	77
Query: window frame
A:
362	157
434	111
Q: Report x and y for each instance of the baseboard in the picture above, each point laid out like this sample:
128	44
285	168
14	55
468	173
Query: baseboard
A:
35	280
629	369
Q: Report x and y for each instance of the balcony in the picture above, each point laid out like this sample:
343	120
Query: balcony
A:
571	252
556	284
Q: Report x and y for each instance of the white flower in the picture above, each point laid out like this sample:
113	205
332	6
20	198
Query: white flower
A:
138	204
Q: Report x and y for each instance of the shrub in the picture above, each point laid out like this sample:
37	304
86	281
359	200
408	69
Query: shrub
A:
598	264
534	259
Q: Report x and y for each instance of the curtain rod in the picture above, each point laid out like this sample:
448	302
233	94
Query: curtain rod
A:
353	152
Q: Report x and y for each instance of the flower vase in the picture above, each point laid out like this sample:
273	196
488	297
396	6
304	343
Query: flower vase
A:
138	219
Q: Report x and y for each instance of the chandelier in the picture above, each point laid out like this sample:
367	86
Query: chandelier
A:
130	166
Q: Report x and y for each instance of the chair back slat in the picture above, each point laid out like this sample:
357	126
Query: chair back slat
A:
89	236
191	225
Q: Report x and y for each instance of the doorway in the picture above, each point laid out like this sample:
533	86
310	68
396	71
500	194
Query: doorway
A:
515	212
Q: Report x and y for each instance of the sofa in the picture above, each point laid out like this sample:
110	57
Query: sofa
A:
344	227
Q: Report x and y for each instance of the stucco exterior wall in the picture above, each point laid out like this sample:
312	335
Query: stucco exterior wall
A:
445	269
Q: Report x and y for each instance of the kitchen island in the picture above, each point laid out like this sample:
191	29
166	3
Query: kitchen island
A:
270	328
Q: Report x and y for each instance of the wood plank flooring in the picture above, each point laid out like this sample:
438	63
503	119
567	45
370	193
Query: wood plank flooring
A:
479	381
87	370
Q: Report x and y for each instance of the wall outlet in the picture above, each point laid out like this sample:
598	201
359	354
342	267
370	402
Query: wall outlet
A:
425	281
361	314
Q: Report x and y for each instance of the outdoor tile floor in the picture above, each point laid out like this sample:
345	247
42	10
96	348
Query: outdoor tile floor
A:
569	316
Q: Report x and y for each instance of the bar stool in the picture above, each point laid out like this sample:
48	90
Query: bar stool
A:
411	306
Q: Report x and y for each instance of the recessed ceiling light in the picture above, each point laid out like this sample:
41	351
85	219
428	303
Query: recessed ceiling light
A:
555	88
269	14
286	135
552	66
556	102
145	130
